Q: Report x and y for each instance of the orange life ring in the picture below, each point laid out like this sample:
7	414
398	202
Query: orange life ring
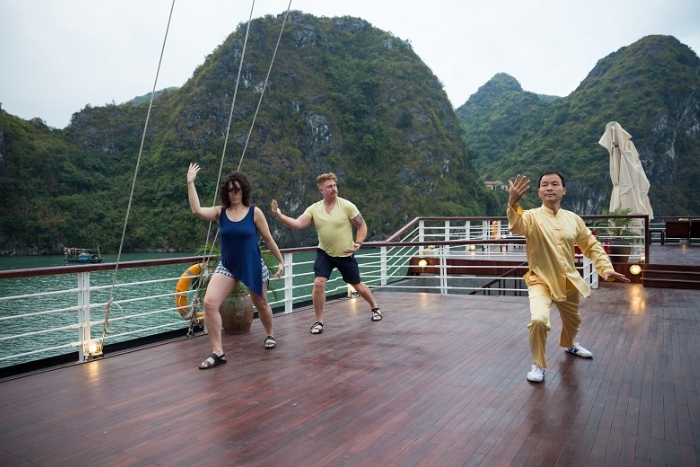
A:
181	289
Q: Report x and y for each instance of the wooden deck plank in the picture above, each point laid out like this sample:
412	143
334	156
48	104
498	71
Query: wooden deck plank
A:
440	381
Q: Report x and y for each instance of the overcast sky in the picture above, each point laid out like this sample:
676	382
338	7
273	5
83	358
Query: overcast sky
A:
57	56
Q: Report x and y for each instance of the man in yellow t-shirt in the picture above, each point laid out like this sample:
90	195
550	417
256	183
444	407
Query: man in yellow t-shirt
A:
551	233
333	218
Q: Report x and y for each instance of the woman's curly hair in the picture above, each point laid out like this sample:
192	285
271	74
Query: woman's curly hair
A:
230	181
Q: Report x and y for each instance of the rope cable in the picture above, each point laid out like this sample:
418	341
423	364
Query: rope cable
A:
133	184
228	132
255	115
109	304
267	78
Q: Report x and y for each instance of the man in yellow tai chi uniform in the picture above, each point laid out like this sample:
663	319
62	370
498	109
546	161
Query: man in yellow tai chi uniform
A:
551	233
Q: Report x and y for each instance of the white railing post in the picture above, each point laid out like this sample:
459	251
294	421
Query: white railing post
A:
383	260
288	283
447	236
485	234
83	313
589	273
443	270
421	233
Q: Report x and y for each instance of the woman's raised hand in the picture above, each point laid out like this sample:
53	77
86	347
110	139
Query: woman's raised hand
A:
192	172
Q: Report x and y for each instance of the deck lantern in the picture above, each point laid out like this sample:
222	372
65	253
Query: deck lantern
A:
352	293
635	269
93	349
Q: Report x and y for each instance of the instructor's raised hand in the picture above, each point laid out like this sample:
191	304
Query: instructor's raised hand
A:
517	189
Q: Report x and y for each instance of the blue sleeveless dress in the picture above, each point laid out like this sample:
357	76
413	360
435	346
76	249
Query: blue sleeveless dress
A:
240	253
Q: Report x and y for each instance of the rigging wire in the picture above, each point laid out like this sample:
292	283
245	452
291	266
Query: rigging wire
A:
255	115
209	252
267	78
108	306
228	132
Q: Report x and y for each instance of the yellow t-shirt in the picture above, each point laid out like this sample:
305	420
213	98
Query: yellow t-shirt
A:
334	229
550	248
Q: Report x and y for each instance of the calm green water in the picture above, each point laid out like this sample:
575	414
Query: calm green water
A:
134	316
157	307
153	305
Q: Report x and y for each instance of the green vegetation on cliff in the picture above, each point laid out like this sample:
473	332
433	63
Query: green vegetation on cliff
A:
650	87
343	96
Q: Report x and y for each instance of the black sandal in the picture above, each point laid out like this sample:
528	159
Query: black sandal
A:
216	360
376	314
270	342
317	328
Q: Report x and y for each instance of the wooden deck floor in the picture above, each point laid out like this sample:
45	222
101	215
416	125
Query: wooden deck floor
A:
674	253
439	382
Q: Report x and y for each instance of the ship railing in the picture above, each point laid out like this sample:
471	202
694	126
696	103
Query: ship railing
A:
65	310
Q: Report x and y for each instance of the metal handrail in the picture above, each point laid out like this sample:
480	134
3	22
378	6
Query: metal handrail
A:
383	264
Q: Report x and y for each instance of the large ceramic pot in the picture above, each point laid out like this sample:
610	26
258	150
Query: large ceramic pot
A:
237	314
620	253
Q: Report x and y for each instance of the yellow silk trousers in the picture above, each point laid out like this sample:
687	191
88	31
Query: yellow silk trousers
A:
540	309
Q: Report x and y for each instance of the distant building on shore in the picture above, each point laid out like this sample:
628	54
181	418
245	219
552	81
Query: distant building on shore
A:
497	185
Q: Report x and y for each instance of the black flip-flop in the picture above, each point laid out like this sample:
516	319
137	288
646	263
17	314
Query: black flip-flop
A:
376	314
317	326
270	342
218	360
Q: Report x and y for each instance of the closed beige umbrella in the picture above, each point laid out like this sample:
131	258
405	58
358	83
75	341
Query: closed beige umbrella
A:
630	183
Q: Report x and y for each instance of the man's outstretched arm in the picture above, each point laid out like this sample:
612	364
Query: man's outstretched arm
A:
300	222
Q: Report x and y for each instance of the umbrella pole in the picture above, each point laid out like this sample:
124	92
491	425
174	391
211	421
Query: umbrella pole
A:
616	146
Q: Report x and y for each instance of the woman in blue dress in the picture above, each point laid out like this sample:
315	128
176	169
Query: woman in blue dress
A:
240	222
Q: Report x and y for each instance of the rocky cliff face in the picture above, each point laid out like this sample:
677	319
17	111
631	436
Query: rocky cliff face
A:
651	88
342	96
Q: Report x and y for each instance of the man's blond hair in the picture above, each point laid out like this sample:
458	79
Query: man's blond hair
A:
323	178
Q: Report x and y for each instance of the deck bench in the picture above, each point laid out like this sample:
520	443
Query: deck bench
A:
678	230
694	230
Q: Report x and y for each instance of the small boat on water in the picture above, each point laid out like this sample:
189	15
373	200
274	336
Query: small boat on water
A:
82	255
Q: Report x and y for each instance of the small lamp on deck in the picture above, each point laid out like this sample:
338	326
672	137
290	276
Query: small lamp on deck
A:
93	349
352	293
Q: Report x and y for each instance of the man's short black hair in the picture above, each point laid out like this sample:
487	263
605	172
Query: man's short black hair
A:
553	172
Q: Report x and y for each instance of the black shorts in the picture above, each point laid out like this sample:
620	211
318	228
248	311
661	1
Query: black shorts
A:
347	265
